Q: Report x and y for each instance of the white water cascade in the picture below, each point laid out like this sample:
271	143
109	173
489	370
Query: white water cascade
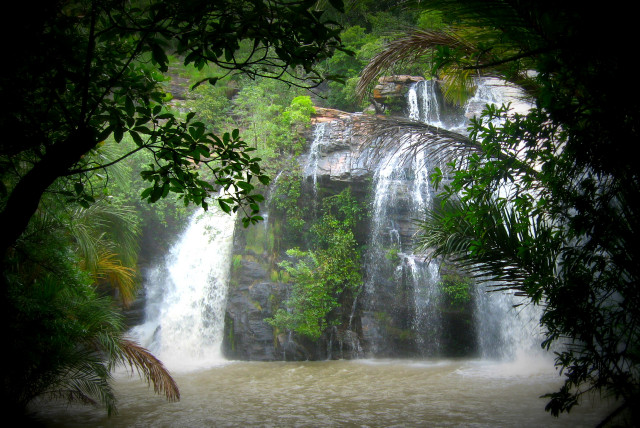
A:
401	192
186	295
506	327
311	168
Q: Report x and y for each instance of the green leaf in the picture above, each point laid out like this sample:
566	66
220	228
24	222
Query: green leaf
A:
245	186
79	188
146	192
129	107
159	56
118	133
136	138
226	208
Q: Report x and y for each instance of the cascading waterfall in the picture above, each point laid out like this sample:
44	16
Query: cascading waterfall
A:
311	168
423	103
506	327
426	104
403	306
402	192
186	295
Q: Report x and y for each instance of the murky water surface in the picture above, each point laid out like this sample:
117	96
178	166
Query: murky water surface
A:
363	393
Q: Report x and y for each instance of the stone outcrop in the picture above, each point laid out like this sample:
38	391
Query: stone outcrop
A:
390	92
251	300
338	153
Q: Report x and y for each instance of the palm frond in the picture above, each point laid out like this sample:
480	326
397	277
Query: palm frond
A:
391	135
497	38
148	367
109	268
500	247
459	84
405	49
83	378
104	226
106	241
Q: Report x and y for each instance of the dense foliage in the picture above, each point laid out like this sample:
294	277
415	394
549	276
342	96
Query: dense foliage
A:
326	276
547	204
64	338
86	70
85	95
368	28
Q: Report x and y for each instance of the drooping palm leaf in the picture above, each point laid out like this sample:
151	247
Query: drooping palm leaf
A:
109	268
149	368
405	49
498	38
499	248
103	226
106	240
440	146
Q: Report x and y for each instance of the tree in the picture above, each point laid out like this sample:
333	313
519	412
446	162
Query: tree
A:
85	70
546	203
327	276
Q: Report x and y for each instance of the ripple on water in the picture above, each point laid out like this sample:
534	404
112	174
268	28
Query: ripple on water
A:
367	393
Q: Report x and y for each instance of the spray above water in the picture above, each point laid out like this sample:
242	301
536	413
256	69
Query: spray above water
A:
186	295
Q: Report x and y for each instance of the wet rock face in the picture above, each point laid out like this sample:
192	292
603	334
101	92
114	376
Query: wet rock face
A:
344	151
338	150
389	95
340	156
251	299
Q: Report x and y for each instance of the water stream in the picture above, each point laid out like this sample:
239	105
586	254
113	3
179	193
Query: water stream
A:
186	295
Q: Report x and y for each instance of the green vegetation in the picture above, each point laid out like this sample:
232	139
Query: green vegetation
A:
287	202
64	337
328	275
456	289
89	123
546	203
369	27
392	255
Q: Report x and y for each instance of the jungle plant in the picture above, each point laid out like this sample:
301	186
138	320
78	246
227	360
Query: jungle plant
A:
545	204
325	276
65	339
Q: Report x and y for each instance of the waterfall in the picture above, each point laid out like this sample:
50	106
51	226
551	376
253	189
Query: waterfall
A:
401	192
423	103
426	104
186	295
311	168
506	327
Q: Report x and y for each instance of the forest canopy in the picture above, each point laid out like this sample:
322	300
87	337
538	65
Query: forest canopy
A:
84	75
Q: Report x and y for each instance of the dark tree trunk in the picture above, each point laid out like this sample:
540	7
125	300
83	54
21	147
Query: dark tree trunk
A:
25	196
